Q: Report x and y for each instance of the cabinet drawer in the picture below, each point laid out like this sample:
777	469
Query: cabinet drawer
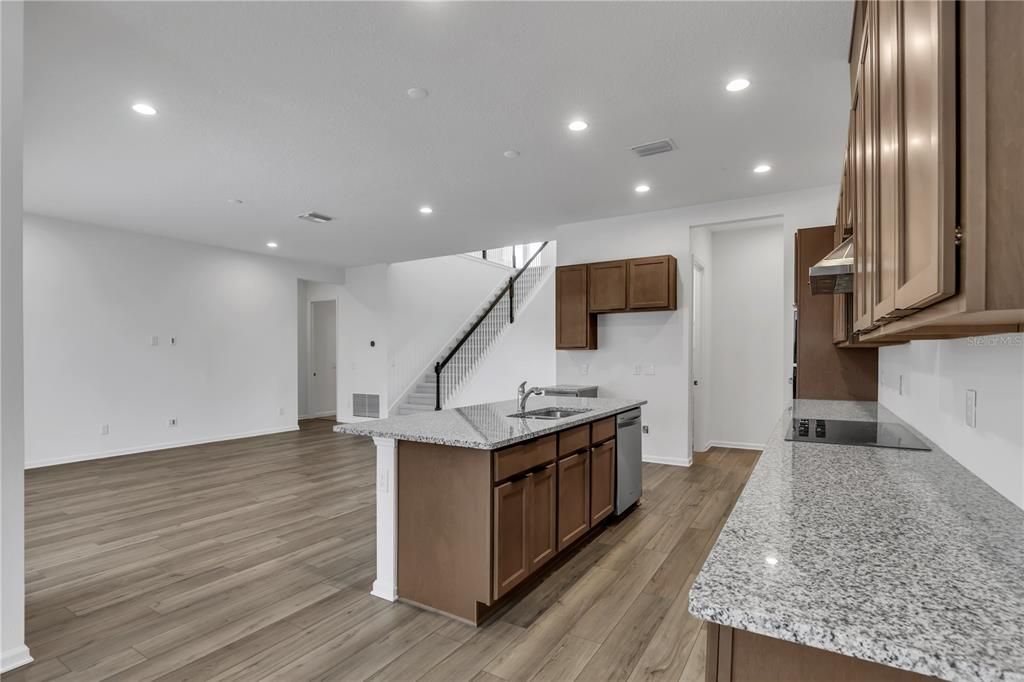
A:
573	440
520	458
603	430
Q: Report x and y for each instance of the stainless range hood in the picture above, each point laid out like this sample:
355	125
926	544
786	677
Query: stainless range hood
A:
833	274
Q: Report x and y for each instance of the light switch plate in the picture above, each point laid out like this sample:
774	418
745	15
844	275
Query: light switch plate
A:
649	369
971	408
637	369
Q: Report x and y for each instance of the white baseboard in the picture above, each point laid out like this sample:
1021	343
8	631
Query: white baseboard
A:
671	461
154	448
14	658
320	415
734	444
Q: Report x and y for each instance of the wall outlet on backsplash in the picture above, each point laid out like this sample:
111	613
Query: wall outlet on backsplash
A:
971	408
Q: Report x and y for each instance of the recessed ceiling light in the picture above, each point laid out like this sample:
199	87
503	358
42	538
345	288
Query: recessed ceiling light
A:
641	189
770	560
762	168
579	125
426	210
271	245
512	154
144	109
737	84
417	93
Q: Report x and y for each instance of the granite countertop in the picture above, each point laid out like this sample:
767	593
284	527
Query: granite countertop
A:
894	556
487	426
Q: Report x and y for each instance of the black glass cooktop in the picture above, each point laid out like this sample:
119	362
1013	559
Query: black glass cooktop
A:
873	434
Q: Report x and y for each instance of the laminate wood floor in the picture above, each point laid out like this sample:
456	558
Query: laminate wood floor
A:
253	559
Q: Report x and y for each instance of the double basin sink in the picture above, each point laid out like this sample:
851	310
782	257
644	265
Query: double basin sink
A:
551	413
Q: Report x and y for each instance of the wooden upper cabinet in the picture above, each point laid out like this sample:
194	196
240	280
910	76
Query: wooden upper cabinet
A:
542	516
573	498
575	327
602	481
511	557
652	283
608	286
925	238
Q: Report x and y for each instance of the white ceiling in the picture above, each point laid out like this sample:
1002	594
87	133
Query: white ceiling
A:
302	106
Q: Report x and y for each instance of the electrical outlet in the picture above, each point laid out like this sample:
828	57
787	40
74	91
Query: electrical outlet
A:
637	369
154	340
971	409
173	421
649	369
174	340
280	411
105	430
585	369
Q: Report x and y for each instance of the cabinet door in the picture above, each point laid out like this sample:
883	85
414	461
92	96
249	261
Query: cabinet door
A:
925	261
607	286
839	322
511	561
890	194
542	530
652	283
573	498
575	327
866	180
602	481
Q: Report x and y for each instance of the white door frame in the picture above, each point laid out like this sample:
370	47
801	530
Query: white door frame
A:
309	356
695	265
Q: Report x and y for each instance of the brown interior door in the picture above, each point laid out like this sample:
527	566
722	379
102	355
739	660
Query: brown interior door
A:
925	260
511	563
652	283
573	498
602	481
607	286
574	325
542	535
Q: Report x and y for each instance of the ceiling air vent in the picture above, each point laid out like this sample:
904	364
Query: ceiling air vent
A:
315	217
656	147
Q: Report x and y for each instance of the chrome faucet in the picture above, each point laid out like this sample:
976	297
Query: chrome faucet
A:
523	393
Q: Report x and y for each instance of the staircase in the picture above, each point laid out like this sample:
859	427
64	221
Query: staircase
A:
460	358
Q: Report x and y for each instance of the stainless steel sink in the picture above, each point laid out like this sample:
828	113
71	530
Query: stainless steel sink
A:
551	413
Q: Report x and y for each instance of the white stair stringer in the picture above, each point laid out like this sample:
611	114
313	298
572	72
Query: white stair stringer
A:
421	397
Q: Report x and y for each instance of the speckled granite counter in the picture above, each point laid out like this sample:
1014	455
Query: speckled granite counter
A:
486	426
899	557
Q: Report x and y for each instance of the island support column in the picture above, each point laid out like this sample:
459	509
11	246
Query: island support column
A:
386	584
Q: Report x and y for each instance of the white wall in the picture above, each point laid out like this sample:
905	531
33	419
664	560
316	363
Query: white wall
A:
525	352
430	300
95	297
936	377
363	317
747	293
13	652
663	338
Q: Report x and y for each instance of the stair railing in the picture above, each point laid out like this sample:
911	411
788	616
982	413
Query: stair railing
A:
487	320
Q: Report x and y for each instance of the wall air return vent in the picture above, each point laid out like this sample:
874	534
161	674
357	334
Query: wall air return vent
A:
656	147
315	217
366	405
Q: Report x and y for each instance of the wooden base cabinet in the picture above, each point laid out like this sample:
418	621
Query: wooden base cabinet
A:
542	519
739	656
602	481
512	517
573	498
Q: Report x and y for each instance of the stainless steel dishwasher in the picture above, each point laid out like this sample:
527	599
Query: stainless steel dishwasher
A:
629	478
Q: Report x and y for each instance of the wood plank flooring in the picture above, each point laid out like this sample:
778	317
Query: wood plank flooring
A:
253	559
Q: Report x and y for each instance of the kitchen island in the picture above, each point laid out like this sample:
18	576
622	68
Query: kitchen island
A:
855	562
473	502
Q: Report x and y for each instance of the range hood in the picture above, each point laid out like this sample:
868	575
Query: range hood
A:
833	274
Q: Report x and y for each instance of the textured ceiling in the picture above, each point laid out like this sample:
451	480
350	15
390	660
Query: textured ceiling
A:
302	106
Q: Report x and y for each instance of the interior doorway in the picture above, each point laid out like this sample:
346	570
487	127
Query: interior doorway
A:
698	387
322	386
